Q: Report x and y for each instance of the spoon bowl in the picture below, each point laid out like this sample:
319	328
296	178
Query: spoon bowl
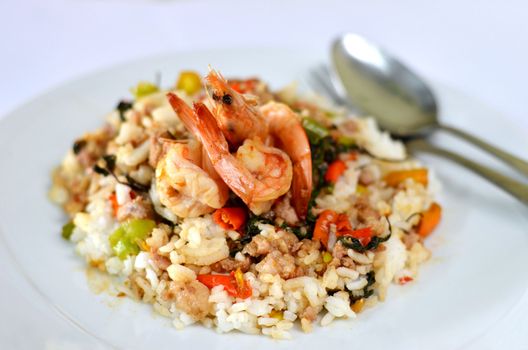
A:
381	86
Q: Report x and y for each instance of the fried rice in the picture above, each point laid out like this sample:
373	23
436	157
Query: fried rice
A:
173	235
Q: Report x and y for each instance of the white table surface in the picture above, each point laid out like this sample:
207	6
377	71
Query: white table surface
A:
480	48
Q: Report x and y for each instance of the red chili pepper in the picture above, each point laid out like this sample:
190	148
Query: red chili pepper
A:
335	170
243	86
113	201
322	226
405	279
230	218
234	284
364	235
235	85
342	223
212	281
343	228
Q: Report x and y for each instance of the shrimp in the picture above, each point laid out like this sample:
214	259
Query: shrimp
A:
183	186
269	165
238	120
237	117
257	173
289	135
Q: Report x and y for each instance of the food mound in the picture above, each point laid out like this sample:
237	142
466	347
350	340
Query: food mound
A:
223	203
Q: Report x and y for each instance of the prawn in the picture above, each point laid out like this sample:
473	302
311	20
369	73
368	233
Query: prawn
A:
257	173
239	120
236	115
183	186
289	135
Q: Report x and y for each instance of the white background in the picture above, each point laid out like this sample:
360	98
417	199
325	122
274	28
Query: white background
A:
478	47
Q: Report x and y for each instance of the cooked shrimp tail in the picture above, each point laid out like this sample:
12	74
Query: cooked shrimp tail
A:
184	112
208	167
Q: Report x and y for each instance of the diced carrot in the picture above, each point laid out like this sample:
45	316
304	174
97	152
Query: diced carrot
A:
364	235
322	226
230	218
113	201
430	219
335	170
394	178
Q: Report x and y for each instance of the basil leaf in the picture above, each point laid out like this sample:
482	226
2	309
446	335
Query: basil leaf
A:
78	146
122	107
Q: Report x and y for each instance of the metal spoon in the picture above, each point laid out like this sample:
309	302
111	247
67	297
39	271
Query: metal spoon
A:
401	101
404	105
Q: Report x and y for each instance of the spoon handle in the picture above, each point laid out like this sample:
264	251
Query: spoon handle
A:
513	187
515	162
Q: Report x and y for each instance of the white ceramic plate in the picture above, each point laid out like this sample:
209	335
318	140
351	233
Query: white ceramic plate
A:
476	274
